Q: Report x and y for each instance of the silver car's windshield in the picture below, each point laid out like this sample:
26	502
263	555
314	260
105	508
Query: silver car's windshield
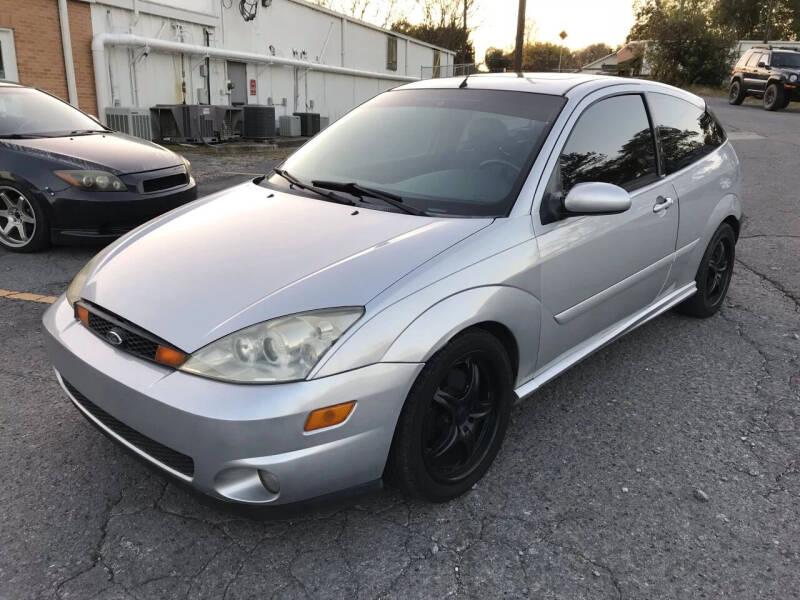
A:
445	151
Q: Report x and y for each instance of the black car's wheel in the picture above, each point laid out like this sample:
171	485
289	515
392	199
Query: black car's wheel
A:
736	93
23	223
454	419
774	97
713	275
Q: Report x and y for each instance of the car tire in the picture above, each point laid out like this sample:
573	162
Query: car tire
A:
20	205
774	97
448	436
786	100
713	275
736	93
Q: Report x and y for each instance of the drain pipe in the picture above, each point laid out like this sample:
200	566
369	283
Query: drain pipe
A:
101	40
66	44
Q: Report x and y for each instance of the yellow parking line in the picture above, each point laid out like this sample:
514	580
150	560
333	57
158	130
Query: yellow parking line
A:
28	297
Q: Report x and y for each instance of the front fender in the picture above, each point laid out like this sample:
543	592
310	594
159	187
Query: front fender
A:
415	340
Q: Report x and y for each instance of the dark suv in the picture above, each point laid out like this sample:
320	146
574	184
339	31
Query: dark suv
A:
768	72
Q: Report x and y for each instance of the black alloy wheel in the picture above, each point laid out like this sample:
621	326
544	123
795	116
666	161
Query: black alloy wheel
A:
454	419
462	420
713	276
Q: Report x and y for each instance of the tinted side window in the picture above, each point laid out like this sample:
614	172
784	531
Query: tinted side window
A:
612	143
754	58
687	132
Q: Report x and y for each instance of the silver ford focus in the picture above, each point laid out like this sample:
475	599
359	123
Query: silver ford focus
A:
374	307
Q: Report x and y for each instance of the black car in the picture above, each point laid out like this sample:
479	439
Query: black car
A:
768	72
64	177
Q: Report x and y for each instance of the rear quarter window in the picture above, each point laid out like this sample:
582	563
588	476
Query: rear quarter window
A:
687	132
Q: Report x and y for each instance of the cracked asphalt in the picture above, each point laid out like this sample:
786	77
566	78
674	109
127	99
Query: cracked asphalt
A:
665	466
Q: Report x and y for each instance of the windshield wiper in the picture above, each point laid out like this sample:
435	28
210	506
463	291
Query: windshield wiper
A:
357	189
330	196
87	131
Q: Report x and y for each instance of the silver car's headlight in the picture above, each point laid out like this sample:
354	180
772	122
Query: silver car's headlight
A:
74	290
279	350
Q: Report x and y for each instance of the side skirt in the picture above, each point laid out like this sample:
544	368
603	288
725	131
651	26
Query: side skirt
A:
604	338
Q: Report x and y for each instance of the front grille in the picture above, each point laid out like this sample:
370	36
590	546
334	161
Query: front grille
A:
167	456
132	341
164	183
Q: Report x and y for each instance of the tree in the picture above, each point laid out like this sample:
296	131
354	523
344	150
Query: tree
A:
442	25
759	19
687	46
496	60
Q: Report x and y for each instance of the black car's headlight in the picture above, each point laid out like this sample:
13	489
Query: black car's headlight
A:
93	180
793	77
279	350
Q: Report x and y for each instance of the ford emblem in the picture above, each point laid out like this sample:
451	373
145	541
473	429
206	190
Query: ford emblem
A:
114	338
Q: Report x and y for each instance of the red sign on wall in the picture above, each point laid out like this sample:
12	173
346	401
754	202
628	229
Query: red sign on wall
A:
252	87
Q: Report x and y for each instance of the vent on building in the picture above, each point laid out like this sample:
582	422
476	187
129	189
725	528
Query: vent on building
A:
258	122
133	121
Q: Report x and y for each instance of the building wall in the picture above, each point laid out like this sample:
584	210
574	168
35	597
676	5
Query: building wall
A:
37	40
293	28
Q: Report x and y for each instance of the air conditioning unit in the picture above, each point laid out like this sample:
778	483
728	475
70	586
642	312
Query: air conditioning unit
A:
258	122
324	123
309	123
133	121
196	123
289	126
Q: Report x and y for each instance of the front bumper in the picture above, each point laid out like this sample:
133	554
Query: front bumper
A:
78	215
231	431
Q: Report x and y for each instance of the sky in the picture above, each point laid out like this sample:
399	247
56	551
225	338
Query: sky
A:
585	21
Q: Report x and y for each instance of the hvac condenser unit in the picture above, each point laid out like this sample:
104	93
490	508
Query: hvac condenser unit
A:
258	122
133	121
309	123
196	123
289	126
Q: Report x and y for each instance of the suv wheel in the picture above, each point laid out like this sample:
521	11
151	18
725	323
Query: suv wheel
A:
774	97
454	419
736	94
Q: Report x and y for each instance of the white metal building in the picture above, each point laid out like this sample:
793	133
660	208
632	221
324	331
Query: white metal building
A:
293	54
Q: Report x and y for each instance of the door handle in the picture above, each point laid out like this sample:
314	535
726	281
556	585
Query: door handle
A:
662	204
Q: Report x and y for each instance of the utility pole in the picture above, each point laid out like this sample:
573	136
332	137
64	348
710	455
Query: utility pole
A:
520	37
768	24
466	35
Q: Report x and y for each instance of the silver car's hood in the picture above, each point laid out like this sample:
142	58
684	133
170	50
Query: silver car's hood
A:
249	254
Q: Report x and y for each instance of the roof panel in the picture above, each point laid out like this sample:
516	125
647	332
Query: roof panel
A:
543	83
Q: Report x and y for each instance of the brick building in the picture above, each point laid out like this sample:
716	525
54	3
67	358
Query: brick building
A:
32	51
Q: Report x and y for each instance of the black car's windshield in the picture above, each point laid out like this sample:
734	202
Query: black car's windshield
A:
25	112
786	60
459	152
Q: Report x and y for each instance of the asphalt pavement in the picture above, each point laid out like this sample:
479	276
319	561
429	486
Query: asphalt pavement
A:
665	466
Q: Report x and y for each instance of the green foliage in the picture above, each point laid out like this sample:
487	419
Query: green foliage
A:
687	46
759	19
448	35
496	60
544	56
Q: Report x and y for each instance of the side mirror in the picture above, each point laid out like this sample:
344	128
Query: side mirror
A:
762	64
596	198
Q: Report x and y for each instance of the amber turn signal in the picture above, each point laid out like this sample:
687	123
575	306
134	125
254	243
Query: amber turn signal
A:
170	356
82	315
329	416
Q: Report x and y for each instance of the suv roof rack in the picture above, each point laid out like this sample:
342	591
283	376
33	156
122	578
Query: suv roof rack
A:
771	47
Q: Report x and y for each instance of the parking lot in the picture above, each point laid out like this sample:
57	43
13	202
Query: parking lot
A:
665	466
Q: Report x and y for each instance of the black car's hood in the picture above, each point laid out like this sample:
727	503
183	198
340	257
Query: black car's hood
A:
115	152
